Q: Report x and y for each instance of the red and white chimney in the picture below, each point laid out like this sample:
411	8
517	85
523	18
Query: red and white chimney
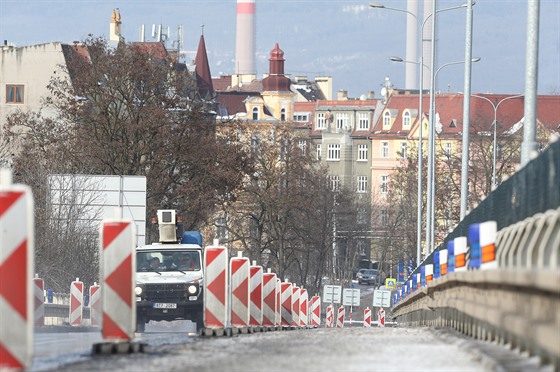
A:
245	40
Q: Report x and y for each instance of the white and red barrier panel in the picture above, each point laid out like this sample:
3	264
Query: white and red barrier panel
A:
381	318
340	317
239	269
329	316
269	299
303	307
256	297
278	315
76	309
118	270
286	304
443	262
95	309
38	302
16	272
295	306
367	317
429	273
215	288
315	311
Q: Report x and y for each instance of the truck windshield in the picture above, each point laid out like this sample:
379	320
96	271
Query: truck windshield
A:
168	261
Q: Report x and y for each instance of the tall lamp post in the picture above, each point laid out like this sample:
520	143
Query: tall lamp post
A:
420	114
494	124
430	218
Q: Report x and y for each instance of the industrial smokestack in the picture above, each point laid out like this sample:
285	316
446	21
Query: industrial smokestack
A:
245	38
412	29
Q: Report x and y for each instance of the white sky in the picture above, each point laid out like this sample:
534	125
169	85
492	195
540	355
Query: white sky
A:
344	39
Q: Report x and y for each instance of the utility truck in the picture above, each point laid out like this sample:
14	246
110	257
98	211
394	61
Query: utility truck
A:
169	275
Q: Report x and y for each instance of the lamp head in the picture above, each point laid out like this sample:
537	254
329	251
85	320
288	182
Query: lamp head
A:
376	5
475	59
396	59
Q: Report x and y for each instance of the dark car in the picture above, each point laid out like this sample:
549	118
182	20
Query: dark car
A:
368	276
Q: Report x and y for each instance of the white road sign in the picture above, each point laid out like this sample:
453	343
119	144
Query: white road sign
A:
332	294
351	297
381	298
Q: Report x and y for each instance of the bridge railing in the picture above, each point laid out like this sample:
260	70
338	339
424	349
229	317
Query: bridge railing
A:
517	302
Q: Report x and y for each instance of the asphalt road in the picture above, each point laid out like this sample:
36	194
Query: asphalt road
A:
347	349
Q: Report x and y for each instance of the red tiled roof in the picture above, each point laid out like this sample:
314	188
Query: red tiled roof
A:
233	102
222	83
202	70
156	49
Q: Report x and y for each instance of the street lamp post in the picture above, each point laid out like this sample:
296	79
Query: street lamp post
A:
430	219
420	114
494	124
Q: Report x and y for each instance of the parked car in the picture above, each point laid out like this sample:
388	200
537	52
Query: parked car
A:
359	274
368	276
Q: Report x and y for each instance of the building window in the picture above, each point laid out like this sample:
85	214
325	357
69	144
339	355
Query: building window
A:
302	144
321	121
384	184
384	217
362	152
341	120
221	231
255	113
403	150
14	93
283	114
362	184
363	121
406	119
384	150
333	152
386	119
447	149
318	151
301	118
335	183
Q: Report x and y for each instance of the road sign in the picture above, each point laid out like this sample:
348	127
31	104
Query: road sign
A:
332	294
390	283
351	297
381	298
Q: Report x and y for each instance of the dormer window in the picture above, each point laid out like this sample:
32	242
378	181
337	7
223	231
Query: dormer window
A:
255	113
386	119
283	114
406	119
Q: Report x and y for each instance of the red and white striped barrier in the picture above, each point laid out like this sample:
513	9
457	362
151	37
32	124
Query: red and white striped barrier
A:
429	273
76	303
16	272
256	296
269	299
39	301
340	317
367	317
329	316
215	288
95	310
239	269
381	318
278	315
315	312
286	303
295	306
303	308
488	232
443	262
118	270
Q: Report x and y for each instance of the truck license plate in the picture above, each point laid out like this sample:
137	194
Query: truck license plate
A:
164	306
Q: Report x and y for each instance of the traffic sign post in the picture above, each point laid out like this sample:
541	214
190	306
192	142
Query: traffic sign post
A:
332	294
351	297
381	298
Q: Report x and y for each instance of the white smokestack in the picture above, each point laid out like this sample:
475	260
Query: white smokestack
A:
245	38
412	29
427	41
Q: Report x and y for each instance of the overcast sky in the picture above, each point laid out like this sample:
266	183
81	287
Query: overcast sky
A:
344	39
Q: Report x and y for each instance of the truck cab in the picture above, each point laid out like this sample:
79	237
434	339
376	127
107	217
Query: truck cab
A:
169	275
